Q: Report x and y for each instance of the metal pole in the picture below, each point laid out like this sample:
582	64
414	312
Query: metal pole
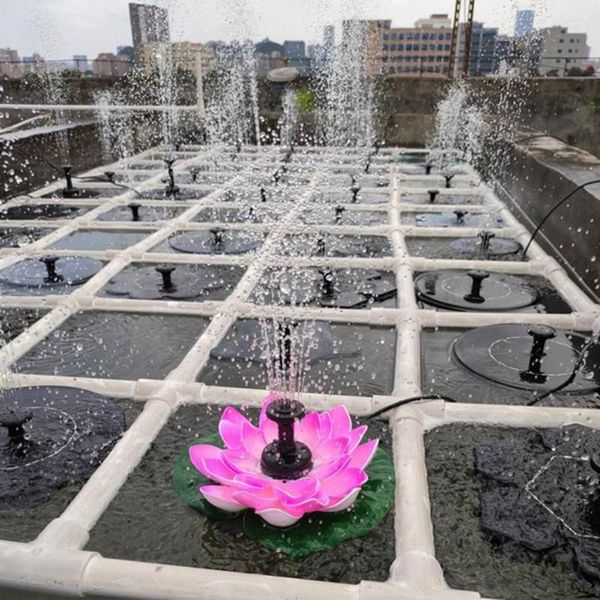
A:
199	83
93	107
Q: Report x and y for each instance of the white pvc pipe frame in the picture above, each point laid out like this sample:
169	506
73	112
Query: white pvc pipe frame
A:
55	561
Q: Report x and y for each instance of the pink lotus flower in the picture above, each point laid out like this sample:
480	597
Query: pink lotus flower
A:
333	484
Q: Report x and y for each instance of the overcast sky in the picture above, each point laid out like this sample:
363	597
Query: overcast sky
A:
57	29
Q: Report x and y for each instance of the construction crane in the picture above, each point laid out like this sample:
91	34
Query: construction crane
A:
454	47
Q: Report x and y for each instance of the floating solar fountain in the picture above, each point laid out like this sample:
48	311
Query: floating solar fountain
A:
51	437
475	290
216	241
51	272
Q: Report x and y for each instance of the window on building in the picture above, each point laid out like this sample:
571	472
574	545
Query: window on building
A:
432	47
423	46
386	36
570	50
561	41
409	46
400	47
559	51
385	47
448	36
393	47
394	36
409	36
400	36
417	36
571	41
447	47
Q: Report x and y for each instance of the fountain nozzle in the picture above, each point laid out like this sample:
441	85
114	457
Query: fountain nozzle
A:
486	238
541	334
448	179
52	275
14	420
263	194
355	189
135	210
320	247
428	169
167	282
474	295
339	211
217	236
70	191
460	216
432	195
328	283
171	188
285	458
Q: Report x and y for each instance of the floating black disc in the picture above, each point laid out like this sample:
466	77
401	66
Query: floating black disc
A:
503	354
146	283
450	289
70	270
497	246
458	219
314	341
206	242
42	211
51	437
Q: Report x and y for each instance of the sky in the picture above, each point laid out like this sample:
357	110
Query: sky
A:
58	29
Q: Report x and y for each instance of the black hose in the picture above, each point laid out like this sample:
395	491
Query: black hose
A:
594	339
551	211
398	403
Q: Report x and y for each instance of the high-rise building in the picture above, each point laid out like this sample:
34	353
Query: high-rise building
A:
483	59
183	55
294	50
561	51
80	63
524	22
423	50
328	37
107	64
10	63
148	24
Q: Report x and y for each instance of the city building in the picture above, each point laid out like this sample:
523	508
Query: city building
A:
80	63
414	51
10	63
524	22
183	55
562	51
483	57
149	24
328	37
107	64
269	55
294	50
34	64
127	51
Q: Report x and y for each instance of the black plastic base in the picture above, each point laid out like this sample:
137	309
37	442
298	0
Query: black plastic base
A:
293	466
501	354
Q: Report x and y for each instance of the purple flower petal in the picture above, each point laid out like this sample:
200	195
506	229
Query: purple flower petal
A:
201	452
217	470
344	503
308	430
253	441
361	457
230	428
278	517
222	497
356	435
340	484
341	422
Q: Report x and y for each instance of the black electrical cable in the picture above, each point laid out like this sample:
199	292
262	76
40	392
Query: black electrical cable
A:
593	340
398	403
552	210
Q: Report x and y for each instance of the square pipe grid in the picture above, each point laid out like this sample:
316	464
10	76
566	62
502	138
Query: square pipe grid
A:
56	562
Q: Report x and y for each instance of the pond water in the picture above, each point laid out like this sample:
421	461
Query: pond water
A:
114	345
